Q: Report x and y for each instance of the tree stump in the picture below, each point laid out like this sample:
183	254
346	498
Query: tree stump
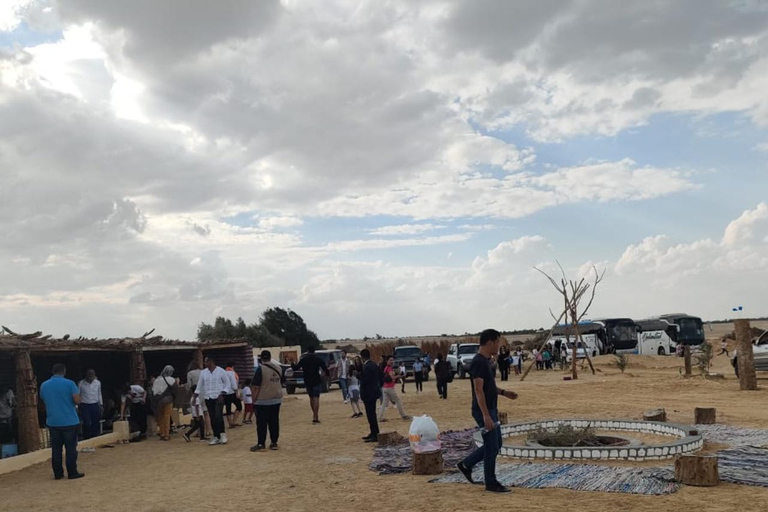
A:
655	415
389	438
745	358
700	470
705	415
503	418
428	463
687	358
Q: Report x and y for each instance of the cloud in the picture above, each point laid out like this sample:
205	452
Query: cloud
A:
271	223
404	229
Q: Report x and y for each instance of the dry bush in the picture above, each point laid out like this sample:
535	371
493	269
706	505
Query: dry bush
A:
621	361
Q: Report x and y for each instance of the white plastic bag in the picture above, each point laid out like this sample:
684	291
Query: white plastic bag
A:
424	435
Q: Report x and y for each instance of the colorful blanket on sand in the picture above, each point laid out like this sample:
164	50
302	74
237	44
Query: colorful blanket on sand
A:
745	465
390	460
577	477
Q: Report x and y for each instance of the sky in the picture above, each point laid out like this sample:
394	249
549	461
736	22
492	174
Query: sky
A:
379	167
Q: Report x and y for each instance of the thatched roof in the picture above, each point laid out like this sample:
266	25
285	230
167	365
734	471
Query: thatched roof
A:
36	341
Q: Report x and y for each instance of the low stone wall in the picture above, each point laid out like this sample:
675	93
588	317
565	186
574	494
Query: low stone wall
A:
19	462
687	440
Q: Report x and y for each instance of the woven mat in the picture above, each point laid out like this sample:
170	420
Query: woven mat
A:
745	465
577	477
733	436
390	460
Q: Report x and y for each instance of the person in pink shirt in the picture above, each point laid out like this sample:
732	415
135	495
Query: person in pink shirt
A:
390	391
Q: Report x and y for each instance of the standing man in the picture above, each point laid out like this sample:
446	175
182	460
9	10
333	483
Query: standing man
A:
390	391
370	392
485	412
418	375
267	390
442	375
213	386
312	366
91	403
344	366
7	404
61	396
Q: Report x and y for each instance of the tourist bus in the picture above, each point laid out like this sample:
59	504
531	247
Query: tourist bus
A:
601	336
660	335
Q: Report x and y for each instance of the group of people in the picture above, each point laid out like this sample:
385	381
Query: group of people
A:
510	361
215	389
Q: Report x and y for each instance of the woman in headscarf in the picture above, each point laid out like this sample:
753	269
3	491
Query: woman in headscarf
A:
164	394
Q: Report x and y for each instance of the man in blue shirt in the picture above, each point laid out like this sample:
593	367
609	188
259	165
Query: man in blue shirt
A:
61	396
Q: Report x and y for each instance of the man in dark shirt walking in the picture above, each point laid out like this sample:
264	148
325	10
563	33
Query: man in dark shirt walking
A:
370	392
311	364
485	412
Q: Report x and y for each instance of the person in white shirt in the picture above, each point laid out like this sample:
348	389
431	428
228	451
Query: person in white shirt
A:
213	386
198	423
354	394
138	406
247	401
344	366
403	374
91	404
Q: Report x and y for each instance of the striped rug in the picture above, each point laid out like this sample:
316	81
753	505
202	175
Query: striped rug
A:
577	477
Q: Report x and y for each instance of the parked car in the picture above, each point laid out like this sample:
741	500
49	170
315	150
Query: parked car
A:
409	354
460	355
295	378
759	353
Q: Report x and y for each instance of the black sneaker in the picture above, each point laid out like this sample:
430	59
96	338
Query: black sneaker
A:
257	448
465	471
58	477
273	446
186	437
76	476
497	487
370	439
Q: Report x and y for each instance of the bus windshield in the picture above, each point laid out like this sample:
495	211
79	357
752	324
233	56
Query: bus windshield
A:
691	330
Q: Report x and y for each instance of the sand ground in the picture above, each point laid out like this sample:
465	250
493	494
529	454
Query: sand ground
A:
325	467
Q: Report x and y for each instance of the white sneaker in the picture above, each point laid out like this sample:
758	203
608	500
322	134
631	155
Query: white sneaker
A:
346	401
223	439
214	441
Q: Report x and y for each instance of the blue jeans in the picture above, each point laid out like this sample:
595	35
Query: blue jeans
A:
490	449
64	437
343	386
91	418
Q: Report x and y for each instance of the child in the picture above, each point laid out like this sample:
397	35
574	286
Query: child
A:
198	423
354	394
403	373
515	359
245	390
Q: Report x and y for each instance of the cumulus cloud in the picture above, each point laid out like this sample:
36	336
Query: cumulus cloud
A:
129	144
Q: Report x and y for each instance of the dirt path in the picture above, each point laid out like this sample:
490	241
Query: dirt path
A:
322	467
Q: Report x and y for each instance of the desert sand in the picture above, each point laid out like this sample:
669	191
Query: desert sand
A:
325	467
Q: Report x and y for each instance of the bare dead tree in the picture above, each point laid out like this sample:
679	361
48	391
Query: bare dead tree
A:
573	292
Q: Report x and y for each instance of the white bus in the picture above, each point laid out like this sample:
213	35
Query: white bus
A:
660	335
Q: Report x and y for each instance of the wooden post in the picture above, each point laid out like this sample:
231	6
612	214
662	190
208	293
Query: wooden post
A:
138	370
428	463
26	403
199	359
745	358
697	470
687	356
655	415
705	415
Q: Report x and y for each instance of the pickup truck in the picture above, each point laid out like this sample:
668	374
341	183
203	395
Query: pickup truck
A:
409	354
759	354
295	378
460	356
